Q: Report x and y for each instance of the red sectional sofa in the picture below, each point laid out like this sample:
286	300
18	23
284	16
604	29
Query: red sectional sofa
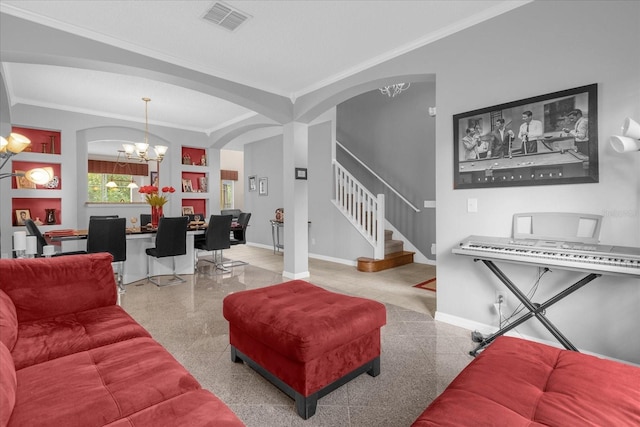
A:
515	382
69	356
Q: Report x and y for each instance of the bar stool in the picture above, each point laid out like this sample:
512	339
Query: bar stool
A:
108	234
216	238
171	241
240	232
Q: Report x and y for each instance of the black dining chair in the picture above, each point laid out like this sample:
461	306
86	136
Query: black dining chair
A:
102	217
216	239
240	231
145	219
171	241
109	235
33	230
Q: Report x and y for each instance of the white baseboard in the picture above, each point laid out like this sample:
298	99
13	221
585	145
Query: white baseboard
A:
485	329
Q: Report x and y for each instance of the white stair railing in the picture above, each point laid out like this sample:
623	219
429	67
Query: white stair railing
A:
361	207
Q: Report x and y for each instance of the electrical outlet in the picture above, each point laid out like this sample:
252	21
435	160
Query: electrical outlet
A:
501	297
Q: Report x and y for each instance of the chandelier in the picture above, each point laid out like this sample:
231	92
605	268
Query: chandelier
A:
395	89
139	150
112	183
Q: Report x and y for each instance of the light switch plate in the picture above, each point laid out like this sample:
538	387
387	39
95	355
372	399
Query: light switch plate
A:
472	205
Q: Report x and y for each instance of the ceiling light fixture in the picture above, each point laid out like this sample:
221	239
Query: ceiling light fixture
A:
395	89
139	150
112	183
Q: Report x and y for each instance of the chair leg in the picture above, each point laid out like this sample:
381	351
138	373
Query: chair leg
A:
219	265
174	279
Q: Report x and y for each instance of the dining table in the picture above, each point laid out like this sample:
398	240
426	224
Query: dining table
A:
138	240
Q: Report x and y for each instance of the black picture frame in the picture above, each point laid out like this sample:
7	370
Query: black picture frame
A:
562	154
301	173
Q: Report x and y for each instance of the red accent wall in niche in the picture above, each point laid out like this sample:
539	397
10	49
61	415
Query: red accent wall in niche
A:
37	208
193	154
198	206
25	166
195	180
41	139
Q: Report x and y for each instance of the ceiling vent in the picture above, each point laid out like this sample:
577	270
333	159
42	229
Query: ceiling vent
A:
226	16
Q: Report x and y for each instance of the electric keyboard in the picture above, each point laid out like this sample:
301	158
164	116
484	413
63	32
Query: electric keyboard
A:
580	256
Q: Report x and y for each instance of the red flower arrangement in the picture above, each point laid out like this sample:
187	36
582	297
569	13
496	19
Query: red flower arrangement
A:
153	197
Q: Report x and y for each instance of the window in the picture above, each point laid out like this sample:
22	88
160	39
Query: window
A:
226	194
99	193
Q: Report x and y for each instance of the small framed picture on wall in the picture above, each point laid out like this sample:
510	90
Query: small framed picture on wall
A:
263	186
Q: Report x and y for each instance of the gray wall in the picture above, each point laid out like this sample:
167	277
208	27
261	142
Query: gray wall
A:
395	137
331	236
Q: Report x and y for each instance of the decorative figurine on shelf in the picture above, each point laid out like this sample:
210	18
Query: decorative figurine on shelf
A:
53	143
203	160
280	214
37	221
186	159
51	216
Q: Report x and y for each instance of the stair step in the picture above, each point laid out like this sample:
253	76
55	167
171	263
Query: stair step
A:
388	234
397	259
392	246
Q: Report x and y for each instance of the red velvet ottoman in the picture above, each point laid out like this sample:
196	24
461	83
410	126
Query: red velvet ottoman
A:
305	340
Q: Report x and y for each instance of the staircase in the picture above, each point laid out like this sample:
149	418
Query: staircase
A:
366	212
394	256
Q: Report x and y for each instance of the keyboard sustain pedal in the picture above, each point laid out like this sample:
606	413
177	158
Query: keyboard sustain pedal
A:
476	336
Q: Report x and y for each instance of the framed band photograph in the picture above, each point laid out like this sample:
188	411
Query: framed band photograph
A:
543	140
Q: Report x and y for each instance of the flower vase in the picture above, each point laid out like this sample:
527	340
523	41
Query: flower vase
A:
156	213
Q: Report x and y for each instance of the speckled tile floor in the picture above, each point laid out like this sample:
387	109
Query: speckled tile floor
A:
419	355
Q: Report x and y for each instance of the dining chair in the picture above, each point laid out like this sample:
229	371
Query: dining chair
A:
240	232
171	241
145	219
102	217
216	239
33	230
109	235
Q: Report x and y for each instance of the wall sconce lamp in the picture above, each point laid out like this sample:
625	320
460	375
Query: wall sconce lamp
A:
16	144
630	139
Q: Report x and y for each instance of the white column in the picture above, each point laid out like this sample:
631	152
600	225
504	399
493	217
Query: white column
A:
296	205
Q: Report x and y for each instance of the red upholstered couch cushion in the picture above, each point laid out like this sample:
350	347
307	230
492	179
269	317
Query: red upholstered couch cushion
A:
515	382
302	320
48	287
46	339
8	321
8	385
80	360
99	386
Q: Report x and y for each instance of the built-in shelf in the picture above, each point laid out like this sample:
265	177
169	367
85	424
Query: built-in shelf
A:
195	180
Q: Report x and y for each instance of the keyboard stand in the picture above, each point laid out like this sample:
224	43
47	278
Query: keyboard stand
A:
537	310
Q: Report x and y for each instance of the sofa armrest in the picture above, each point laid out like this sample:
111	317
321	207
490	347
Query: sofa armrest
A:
46	287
